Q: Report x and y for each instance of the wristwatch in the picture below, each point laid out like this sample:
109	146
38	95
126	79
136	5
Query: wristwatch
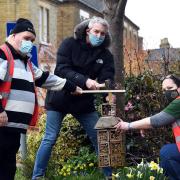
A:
1	96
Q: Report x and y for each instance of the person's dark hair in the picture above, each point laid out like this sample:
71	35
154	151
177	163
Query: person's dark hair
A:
175	78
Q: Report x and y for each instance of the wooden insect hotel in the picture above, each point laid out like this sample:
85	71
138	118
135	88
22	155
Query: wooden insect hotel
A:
110	142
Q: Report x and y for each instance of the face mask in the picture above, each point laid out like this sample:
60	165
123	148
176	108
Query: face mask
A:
96	41
26	47
171	94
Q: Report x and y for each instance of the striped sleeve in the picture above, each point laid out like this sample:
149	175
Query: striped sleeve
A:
54	82
47	80
3	65
3	70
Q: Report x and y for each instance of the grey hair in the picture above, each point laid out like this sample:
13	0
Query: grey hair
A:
100	20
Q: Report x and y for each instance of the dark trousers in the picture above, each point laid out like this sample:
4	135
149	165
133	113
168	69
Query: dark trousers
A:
170	161
9	145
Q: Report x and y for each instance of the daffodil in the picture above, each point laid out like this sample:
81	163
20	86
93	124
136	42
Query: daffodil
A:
115	175
151	178
68	169
139	174
129	175
91	164
161	170
153	165
141	164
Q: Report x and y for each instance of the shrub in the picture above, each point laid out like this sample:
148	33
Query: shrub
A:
71	139
144	98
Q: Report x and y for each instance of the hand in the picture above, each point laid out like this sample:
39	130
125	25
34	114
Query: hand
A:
113	99
122	126
78	91
92	84
142	132
3	118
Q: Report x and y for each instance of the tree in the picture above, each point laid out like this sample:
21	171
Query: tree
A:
114	14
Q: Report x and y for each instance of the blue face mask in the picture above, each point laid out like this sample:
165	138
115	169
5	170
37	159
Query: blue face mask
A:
26	47
96	41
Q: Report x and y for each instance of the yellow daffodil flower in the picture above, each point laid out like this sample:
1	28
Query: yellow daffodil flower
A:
153	165
151	178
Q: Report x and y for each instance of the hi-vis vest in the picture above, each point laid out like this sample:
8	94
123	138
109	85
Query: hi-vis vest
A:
176	132
5	86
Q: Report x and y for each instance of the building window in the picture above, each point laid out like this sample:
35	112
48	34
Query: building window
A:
43	24
83	15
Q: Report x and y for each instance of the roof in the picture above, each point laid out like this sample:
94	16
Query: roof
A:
98	5
171	54
94	4
130	22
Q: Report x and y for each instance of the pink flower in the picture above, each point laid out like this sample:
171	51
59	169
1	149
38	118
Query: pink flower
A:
129	106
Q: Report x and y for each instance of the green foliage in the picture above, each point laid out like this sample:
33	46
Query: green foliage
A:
83	164
144	98
72	137
144	94
19	175
142	171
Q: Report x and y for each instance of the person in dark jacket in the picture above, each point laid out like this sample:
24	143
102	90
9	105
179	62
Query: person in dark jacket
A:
18	100
85	60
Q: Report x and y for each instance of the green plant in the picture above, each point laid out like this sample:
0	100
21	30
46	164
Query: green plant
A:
19	175
83	164
143	171
144	98
67	145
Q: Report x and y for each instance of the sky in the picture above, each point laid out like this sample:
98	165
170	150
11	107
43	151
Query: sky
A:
157	19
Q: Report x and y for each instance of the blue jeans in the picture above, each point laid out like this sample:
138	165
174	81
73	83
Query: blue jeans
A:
170	161
53	126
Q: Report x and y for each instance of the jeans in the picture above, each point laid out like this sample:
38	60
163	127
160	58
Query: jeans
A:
170	161
53	126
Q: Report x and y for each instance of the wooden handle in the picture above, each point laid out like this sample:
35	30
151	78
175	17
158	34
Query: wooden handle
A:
103	91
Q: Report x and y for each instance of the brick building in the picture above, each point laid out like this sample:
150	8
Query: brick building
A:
55	20
165	59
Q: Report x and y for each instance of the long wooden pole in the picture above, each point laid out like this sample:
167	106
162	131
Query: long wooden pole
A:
103	91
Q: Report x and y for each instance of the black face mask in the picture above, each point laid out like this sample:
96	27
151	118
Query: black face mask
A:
171	95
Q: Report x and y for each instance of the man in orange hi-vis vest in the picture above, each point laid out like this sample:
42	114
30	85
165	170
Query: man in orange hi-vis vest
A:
18	101
170	153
